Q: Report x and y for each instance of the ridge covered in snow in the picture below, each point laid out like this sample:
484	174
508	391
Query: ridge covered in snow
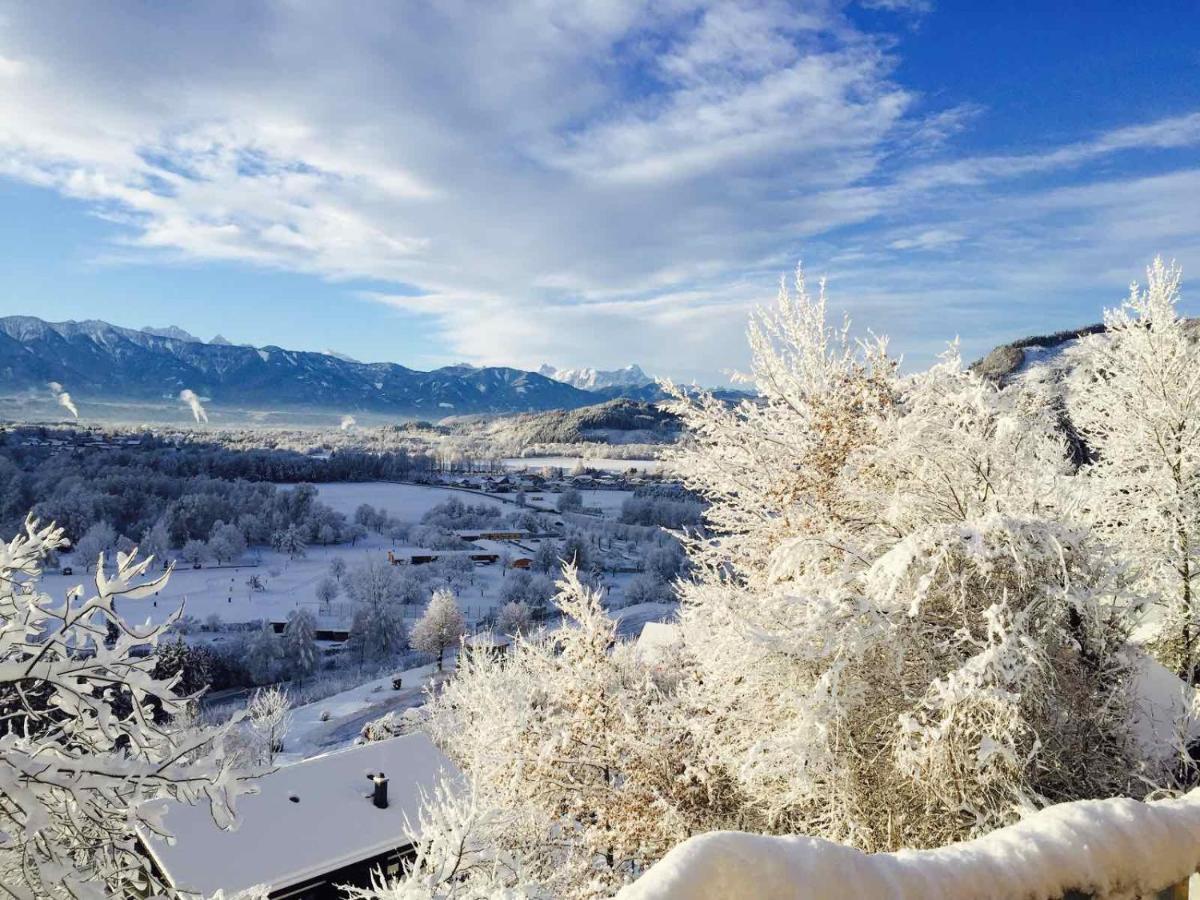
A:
590	379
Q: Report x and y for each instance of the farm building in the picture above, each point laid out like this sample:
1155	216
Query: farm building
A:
408	557
493	534
487	643
330	820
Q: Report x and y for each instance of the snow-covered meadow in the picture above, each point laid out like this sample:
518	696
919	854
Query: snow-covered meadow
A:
290	584
406	502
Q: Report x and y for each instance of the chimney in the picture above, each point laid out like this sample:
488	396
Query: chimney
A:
380	796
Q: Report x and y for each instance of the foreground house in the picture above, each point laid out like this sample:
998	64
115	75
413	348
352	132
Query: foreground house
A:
316	824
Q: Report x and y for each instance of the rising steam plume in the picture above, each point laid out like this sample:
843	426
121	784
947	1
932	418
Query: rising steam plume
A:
189	397
63	398
348	423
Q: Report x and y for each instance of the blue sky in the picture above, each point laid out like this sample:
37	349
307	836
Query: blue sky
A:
591	183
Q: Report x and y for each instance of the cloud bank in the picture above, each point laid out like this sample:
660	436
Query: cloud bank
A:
593	182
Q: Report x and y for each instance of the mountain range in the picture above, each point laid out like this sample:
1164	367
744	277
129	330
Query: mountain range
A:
96	360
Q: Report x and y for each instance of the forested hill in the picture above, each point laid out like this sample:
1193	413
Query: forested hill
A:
101	361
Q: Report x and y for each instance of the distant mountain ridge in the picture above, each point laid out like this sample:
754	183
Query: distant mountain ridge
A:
99	360
588	379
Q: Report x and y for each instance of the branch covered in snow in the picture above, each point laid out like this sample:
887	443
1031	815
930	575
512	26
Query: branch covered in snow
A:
87	735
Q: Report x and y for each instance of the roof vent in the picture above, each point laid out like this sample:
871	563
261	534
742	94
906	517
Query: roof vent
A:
380	798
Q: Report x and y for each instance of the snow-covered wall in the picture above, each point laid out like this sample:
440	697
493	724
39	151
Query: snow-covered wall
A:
1111	848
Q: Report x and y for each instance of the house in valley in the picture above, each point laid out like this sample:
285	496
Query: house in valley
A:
331	820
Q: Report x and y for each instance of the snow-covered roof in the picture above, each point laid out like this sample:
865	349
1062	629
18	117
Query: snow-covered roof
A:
502	547
279	842
656	638
486	639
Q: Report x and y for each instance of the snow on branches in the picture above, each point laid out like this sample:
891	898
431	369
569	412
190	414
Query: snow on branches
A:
581	768
905	624
87	734
1135	399
903	638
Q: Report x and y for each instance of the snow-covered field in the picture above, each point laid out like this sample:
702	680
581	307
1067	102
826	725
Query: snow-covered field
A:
608	501
291	584
406	502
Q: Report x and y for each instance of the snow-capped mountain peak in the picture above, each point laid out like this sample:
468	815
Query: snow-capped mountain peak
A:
590	379
174	332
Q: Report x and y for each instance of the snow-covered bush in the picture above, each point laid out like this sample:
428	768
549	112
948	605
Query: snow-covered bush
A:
89	734
582	768
902	636
899	631
270	714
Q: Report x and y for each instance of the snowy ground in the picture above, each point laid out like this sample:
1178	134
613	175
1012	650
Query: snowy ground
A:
349	710
291	584
406	502
608	501
308	735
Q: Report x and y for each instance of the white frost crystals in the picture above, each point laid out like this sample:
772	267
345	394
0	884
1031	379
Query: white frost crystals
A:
904	636
88	735
1135	398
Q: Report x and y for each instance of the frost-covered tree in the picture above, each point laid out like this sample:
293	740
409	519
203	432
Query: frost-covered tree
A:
290	541
576	552
514	618
190	666
194	552
88	734
263	652
327	591
226	542
902	638
97	540
299	644
440	627
377	627
156	542
546	558
337	568
1135	399
569	500
270	715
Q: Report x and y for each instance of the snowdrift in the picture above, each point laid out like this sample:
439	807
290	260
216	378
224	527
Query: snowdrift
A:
1110	848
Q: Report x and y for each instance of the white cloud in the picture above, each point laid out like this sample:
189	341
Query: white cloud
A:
586	182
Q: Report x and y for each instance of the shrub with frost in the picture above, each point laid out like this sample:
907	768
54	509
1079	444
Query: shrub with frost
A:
581	769
902	637
89	735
